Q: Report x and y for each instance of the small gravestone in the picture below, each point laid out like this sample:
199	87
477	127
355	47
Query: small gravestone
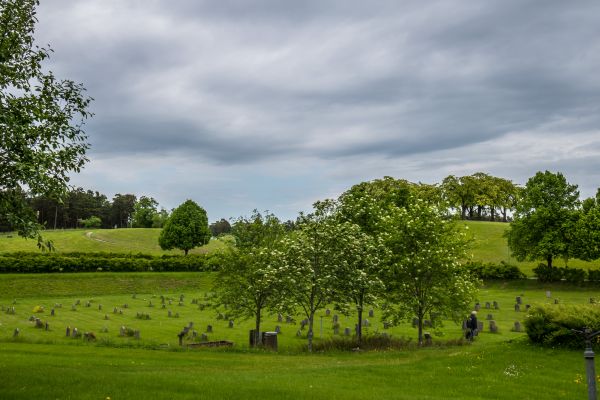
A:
163	306
150	304
16	332
517	327
347	331
133	296
122	331
489	317
162	299
136	334
194	334
415	322
78	302
555	301
99	307
493	327
487	305
371	313
279	317
180	304
209	329
125	305
120	311
518	300
75	333
517	307
88	304
231	323
204	337
46	326
336	318
496	306
181	298
477	306
73	307
39	323
298	333
303	323
278	329
115	310
68	331
328	312
52	312
170	314
31	319
288	319
527	307
480	326
104	329
548	294
336	329
191	325
176	315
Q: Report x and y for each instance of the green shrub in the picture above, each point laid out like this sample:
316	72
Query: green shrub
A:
91	262
574	275
551	325
548	274
495	271
594	275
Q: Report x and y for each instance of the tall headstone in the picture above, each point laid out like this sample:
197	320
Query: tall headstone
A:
548	294
518	300
347	331
517	307
371	313
517	327
493	327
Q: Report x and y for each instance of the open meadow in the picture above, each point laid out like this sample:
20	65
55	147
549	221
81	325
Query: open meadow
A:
47	364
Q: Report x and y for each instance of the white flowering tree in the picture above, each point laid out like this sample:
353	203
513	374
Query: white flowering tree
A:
310	260
425	276
248	283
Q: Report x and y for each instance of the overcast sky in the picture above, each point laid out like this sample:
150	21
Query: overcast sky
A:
275	104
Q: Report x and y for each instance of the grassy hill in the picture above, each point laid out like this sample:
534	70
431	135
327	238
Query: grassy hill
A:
488	244
133	240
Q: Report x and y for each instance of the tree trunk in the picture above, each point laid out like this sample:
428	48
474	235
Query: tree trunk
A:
463	211
257	329
185	252
479	212
310	331
493	213
359	327
504	214
549	259
420	325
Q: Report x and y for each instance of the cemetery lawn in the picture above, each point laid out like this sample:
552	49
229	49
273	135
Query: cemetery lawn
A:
47	364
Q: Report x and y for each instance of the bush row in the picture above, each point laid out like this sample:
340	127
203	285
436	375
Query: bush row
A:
552	325
571	275
53	262
495	271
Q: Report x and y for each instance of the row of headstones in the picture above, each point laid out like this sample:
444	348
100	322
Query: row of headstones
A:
493	328
488	305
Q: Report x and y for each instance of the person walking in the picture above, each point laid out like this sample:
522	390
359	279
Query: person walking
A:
472	326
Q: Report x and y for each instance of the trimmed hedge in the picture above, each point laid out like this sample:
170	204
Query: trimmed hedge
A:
23	262
550	325
495	271
557	274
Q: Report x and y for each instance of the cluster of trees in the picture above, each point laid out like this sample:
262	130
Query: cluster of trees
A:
480	196
551	222
381	243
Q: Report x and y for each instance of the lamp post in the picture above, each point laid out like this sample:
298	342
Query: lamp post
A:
588	355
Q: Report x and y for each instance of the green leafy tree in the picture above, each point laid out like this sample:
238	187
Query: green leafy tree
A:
544	219
186	228
41	118
425	276
160	218
248	283
144	211
123	207
91	222
308	262
587	230
220	227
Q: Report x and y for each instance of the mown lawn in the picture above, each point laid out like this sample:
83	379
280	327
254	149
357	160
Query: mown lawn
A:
47	364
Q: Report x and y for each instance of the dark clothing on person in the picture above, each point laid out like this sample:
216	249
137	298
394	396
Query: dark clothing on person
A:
471	326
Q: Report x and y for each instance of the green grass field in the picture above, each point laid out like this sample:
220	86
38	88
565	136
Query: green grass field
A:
133	240
47	364
488	244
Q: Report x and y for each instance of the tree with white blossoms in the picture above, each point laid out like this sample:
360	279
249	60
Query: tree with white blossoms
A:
425	276
248	282
309	260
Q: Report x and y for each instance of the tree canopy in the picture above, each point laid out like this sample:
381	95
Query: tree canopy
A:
41	117
186	228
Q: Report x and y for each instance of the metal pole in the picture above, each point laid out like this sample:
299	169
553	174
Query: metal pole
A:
590	369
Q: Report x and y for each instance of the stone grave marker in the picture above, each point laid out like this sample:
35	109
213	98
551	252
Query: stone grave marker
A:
209	329
496	306
371	313
16	332
592	300
115	310
170	314
106	318
328	312
517	327
480	326
428	338
68	331
366	323
99	307
347	331
415	322
487	305
555	301
136	334
288	319
88	304
231	323
78	302
279	317
477	306
336	329
73	308
336	318
278	329
548	294
518	300
204	337
489	317
298	333
493	327
527	307
517	307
